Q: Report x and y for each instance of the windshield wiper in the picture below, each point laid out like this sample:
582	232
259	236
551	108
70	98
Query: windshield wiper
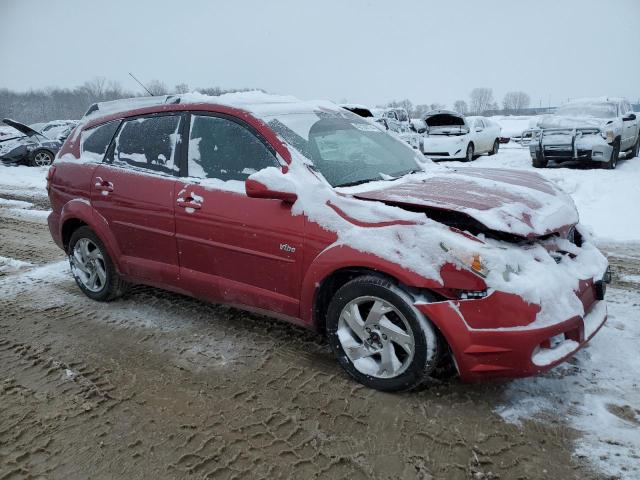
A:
357	182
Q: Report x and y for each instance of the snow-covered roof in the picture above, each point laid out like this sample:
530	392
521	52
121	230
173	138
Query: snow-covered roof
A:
257	102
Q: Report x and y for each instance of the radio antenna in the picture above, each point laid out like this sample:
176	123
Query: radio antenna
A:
141	84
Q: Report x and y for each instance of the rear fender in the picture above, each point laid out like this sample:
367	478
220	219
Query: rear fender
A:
81	209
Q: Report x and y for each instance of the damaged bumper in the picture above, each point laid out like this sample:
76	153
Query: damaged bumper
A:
561	144
501	351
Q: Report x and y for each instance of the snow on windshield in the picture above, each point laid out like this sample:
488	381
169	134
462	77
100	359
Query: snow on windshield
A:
343	147
597	110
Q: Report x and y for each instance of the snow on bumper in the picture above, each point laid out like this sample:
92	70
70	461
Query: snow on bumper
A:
498	351
446	147
569	145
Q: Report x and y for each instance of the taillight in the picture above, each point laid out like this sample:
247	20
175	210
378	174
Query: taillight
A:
50	173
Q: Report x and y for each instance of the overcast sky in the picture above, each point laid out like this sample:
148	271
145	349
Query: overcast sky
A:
361	51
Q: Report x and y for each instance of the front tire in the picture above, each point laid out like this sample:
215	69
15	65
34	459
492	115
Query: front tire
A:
379	337
92	268
539	161
615	154
496	147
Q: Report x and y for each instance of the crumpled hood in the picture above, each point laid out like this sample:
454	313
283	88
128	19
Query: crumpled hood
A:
21	127
556	121
511	201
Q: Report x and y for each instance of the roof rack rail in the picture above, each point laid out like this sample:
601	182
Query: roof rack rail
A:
131	103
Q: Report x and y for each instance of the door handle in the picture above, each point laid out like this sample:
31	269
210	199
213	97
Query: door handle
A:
103	185
189	202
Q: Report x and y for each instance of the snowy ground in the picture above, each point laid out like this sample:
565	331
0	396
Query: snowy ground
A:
580	415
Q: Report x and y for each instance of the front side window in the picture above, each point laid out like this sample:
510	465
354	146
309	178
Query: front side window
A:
345	148
149	143
224	149
95	141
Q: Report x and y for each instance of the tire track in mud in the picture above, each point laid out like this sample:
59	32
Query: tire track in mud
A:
158	384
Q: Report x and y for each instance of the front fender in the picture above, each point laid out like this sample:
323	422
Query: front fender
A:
343	257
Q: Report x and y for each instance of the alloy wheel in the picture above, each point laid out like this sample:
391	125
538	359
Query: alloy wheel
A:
88	266
42	159
376	337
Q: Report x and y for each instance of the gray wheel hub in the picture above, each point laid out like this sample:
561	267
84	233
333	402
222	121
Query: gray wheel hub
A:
376	337
87	265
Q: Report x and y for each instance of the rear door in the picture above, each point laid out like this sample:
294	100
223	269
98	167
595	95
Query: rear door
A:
232	248
134	192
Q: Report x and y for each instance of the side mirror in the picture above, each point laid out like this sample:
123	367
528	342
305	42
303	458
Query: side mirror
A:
628	118
272	184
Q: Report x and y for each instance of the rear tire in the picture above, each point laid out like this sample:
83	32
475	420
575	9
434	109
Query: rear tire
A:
469	156
379	337
92	267
496	147
41	158
636	149
615	154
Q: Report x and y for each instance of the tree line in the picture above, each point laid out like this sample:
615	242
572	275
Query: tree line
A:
481	100
53	103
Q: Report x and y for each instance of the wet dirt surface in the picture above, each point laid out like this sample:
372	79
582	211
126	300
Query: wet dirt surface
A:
160	385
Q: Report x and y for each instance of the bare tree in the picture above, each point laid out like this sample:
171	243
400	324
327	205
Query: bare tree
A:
437	106
94	89
481	100
181	88
515	102
157	87
406	104
420	110
461	107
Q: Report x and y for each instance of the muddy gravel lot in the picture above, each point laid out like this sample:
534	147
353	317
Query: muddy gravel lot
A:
157	385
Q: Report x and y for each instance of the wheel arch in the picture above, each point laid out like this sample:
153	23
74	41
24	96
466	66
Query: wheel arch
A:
79	212
335	267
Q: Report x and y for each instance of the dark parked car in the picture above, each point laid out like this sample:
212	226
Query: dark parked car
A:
35	147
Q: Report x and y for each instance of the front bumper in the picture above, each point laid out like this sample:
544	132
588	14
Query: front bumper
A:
562	145
507	351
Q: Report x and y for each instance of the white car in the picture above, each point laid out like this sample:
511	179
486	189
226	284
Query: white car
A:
451	136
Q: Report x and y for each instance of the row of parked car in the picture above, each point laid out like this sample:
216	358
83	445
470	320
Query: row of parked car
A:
586	130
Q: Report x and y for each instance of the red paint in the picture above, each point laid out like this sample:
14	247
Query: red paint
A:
243	249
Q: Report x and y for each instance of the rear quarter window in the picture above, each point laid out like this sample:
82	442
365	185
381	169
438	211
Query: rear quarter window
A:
95	141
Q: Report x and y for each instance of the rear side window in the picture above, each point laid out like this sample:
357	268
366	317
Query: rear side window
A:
95	141
149	143
224	149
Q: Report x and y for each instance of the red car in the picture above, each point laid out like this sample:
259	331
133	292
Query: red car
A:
306	212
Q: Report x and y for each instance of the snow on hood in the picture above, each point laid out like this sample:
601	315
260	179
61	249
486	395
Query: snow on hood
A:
557	121
512	201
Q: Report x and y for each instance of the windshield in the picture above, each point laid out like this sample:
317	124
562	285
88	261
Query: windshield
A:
346	149
598	110
56	131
